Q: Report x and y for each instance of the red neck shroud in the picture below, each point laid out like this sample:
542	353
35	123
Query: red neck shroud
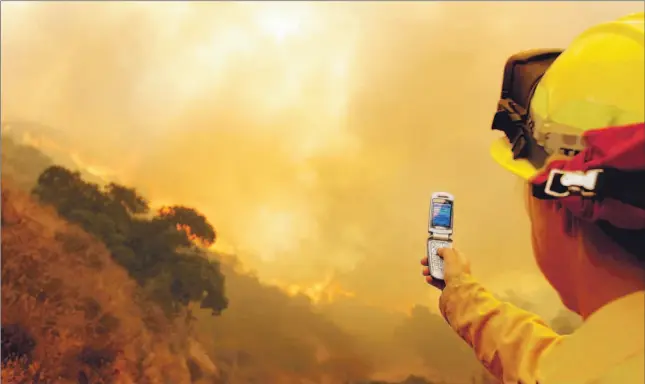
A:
617	195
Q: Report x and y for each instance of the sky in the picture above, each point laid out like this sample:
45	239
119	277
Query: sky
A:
311	134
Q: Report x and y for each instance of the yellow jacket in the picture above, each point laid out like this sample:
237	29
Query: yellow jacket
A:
518	347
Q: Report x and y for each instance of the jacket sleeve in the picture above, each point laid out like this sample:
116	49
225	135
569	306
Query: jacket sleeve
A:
507	340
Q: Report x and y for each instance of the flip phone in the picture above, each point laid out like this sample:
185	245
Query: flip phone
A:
440	224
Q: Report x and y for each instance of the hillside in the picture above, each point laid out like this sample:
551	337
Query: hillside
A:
70	314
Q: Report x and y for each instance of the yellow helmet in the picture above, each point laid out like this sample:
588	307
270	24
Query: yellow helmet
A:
551	97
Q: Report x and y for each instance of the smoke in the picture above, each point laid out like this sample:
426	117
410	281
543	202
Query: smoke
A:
310	134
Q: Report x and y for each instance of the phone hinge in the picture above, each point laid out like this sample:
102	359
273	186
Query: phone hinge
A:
438	236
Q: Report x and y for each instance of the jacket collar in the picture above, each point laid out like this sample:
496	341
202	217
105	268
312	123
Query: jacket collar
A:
608	337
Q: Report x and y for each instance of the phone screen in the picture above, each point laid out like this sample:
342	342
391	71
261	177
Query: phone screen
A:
442	213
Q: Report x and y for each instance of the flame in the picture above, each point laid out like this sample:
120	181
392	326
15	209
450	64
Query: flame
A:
51	147
193	237
325	291
168	211
39	142
103	173
188	230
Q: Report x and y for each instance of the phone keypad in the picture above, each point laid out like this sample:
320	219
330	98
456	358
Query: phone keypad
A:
435	262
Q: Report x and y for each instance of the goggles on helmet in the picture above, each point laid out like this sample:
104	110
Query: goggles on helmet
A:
522	73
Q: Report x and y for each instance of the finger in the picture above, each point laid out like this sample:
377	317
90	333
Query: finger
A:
424	261
445	252
439	284
426	271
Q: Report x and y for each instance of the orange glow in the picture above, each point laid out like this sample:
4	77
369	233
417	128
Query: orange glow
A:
321	292
168	211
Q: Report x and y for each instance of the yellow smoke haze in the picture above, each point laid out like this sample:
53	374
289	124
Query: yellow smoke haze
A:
311	134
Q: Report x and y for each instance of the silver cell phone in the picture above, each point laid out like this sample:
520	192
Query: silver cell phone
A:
440	230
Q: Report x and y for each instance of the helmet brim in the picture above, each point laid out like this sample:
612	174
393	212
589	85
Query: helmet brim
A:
502	153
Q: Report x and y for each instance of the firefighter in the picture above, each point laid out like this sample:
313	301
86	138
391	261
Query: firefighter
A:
573	124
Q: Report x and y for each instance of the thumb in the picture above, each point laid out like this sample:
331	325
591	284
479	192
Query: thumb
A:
454	261
447	253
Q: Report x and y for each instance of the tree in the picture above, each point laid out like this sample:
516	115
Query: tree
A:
189	220
159	253
213	281
128	198
59	186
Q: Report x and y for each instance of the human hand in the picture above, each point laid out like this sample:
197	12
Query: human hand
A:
455	264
